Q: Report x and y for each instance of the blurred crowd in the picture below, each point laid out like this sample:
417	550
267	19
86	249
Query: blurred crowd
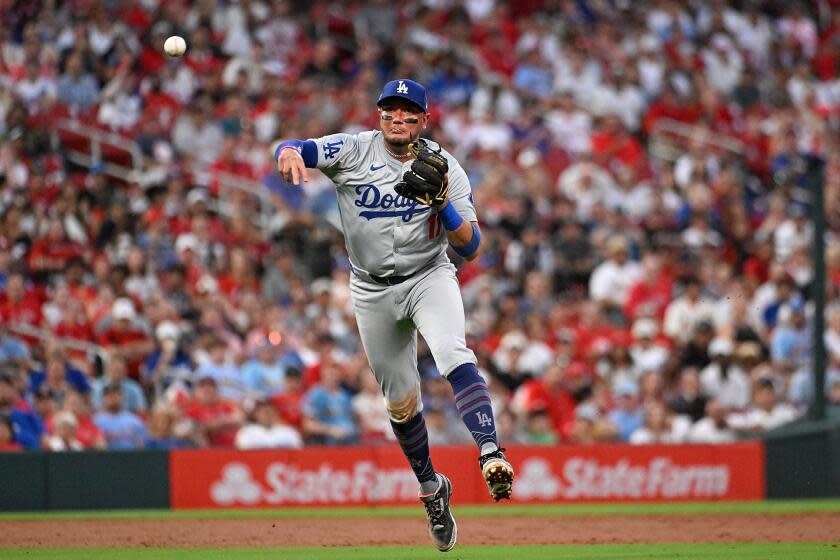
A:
638	168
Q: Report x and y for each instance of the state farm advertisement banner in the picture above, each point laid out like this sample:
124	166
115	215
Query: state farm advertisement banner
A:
380	475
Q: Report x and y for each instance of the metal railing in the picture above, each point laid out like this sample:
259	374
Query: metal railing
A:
65	342
181	378
98	138
670	139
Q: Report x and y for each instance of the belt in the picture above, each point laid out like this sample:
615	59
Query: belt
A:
392	280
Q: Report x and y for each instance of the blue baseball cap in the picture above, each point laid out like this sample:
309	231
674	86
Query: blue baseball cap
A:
407	89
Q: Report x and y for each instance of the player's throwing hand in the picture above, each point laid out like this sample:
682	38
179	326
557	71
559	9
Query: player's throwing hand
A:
291	166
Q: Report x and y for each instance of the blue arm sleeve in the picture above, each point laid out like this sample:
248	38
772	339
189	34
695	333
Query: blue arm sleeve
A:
470	248
449	217
307	149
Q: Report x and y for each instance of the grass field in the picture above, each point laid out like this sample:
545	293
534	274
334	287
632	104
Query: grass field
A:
520	552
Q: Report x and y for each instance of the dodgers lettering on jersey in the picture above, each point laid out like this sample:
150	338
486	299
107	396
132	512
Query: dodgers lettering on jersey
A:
384	232
379	205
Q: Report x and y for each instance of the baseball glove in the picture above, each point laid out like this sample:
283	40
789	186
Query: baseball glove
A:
425	181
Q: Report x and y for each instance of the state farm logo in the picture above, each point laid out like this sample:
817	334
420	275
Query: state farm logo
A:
282	483
536	480
236	485
582	478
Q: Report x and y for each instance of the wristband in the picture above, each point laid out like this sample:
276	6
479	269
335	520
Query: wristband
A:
450	218
296	145
470	248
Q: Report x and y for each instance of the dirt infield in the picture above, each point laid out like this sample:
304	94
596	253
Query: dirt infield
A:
674	528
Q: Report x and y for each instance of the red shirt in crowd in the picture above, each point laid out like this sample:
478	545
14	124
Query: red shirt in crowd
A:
49	254
646	299
558	402
112	337
608	146
231	286
207	413
86	431
82	293
78	331
289	407
26	310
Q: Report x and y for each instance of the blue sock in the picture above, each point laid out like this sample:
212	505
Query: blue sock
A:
414	440
472	399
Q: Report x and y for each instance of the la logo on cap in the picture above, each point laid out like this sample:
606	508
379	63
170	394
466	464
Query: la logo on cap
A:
402	88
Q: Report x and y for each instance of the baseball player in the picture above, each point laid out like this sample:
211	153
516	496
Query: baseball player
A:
402	201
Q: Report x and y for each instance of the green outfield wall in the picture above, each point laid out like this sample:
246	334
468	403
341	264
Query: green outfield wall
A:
803	460
84	480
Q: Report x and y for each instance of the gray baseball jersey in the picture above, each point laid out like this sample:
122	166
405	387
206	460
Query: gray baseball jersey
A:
387	235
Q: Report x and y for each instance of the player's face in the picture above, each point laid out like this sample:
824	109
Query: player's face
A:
401	121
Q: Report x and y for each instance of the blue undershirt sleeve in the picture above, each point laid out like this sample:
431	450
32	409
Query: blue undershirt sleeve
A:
470	248
307	149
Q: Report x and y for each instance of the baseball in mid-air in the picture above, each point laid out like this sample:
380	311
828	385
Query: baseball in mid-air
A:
175	46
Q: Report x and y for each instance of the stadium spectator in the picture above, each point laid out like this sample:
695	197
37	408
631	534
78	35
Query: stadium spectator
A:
519	358
21	304
611	280
589	425
790	345
550	395
289	402
767	411
116	372
442	431
85	431
267	431
539	429
713	427
76	87
125	336
217	419
168	362
58	376
13	350
27	427
120	428
64	436
686	312
264	373
165	431
327	410
689	399
508	428
647	352
370	415
586	173
224	372
651	294
724	379
7	436
661	426
627	414
50	253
